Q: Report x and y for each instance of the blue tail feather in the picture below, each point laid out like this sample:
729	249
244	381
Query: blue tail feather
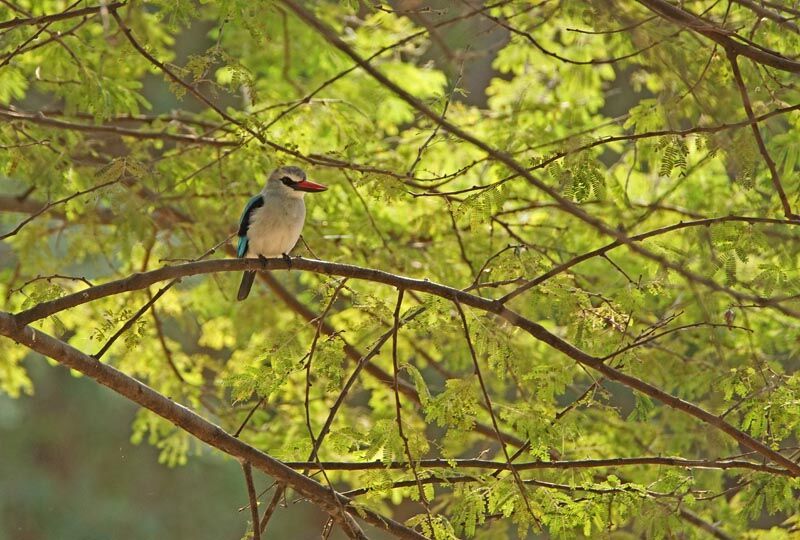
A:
241	248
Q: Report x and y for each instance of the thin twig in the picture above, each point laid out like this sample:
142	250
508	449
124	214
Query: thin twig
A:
251	495
489	407
637	238
398	408
50	205
132	320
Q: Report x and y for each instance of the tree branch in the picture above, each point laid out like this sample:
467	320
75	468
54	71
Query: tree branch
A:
192	423
761	11
699	522
48	206
44	19
638	238
43	120
141	280
776	179
398	409
488	401
253	500
721	36
718	464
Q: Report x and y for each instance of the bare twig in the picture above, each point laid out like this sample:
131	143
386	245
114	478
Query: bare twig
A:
523	492
398	408
50	205
638	238
251	495
132	320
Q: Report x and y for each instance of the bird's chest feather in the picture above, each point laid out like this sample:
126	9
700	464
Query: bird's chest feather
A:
276	226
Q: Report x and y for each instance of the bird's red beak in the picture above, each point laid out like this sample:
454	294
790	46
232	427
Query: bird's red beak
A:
309	186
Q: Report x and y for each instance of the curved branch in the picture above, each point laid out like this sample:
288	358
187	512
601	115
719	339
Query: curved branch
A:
141	280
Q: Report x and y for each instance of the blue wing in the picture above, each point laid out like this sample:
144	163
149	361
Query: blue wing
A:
244	223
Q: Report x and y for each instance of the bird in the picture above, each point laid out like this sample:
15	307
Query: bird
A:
272	220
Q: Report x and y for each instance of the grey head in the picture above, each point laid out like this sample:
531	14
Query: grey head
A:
291	181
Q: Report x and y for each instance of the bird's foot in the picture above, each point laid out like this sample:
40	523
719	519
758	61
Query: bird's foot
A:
263	260
288	260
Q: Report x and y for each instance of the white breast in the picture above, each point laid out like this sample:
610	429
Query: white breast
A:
276	226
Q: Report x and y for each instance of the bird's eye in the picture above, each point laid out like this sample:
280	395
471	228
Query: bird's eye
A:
287	181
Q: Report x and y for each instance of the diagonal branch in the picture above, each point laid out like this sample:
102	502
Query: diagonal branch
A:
364	360
776	179
762	11
136	316
192	423
523	492
638	238
721	36
48	206
699	522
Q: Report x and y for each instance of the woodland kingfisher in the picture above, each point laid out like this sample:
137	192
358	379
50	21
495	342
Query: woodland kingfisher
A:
272	220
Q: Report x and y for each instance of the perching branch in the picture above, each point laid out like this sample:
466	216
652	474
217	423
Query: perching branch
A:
141	280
